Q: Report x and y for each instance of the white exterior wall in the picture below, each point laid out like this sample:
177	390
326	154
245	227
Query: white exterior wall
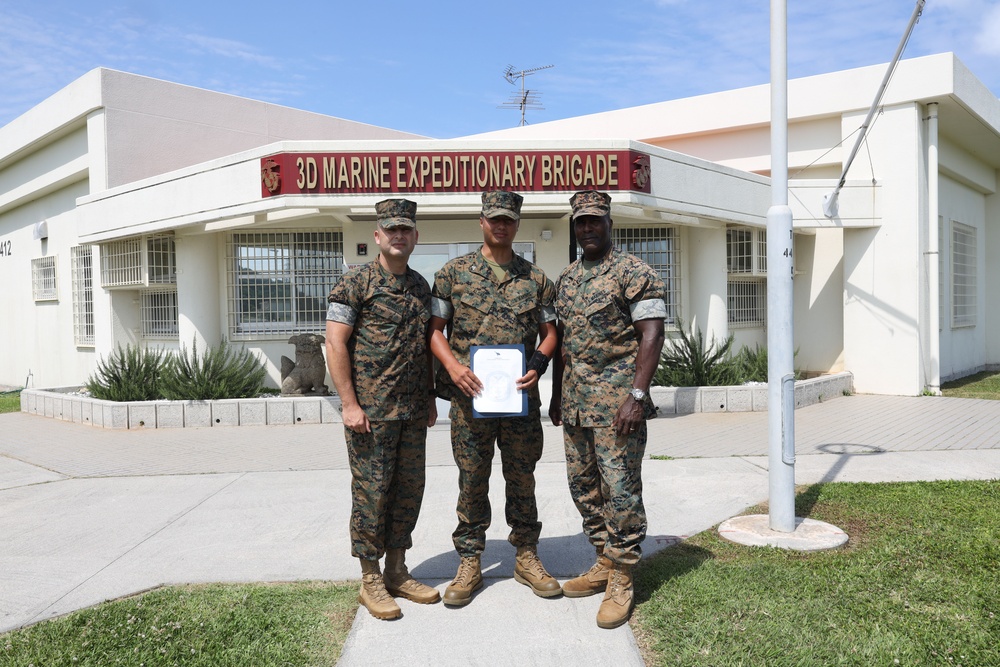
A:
177	126
963	349
881	265
199	291
42	185
818	294
37	337
705	263
991	277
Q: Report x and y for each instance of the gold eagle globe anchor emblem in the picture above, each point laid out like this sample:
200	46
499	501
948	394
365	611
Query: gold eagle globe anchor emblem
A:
270	175
640	172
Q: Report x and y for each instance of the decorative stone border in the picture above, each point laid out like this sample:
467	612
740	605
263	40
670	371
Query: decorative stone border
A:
62	403
686	400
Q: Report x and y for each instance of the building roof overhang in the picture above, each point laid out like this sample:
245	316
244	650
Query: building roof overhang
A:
228	192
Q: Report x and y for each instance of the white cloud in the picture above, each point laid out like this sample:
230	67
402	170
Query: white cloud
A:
987	39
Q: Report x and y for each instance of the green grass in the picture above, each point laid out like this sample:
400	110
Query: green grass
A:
917	584
205	626
980	385
10	401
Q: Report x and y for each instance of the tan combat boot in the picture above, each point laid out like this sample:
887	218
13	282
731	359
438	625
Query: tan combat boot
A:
400	584
468	580
528	570
373	594
592	581
619	598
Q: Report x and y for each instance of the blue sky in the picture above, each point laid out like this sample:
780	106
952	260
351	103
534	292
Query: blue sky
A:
435	68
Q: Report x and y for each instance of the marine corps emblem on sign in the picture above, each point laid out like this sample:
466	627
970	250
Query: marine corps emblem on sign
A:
270	175
640	172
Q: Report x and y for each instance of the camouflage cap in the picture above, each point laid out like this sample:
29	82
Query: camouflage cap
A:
500	203
396	213
590	202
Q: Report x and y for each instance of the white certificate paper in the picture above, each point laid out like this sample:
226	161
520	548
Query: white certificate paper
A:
498	367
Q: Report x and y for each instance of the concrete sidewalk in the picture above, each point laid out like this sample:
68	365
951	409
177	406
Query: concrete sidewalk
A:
88	515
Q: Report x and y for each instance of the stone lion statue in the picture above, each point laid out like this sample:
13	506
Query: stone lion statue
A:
307	373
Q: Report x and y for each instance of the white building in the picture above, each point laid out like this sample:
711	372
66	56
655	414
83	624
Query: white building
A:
206	216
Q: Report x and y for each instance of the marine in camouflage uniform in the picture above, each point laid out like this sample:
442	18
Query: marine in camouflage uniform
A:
508	302
377	326
611	311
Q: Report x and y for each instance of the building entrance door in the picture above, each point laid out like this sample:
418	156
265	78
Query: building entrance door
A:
429	257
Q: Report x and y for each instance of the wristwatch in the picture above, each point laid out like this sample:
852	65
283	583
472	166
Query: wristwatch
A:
638	394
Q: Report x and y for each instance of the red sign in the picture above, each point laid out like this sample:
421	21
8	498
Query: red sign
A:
462	171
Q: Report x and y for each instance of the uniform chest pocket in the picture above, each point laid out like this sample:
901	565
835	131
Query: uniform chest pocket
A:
383	314
605	315
524	309
479	300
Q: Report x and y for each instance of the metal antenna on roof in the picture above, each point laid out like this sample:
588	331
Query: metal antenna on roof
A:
527	99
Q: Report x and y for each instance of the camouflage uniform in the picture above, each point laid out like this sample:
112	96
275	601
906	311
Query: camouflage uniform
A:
483	310
388	349
596	310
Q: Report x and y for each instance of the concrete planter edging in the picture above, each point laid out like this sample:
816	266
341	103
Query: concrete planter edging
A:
686	400
61	403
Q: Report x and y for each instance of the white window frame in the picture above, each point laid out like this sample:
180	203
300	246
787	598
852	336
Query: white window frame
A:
294	270
746	302
139	261
964	276
158	314
81	271
746	266
660	247
44	279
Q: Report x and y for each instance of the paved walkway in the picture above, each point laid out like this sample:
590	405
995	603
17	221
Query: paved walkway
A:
88	514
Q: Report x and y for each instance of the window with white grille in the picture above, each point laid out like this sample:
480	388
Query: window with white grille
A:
158	314
139	261
659	247
277	282
964	292
746	250
746	302
746	263
161	260
43	279
81	264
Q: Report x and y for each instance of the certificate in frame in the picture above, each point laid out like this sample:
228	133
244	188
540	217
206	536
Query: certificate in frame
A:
498	367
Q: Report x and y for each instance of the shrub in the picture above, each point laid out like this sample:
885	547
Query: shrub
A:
688	362
128	374
221	372
752	364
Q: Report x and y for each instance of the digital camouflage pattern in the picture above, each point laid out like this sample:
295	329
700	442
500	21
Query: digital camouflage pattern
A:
604	471
486	311
590	202
599	342
498	203
388	346
519	440
387	485
600	345
396	213
483	310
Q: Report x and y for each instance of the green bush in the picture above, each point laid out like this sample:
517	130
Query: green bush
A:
688	362
752	364
10	401
221	372
128	374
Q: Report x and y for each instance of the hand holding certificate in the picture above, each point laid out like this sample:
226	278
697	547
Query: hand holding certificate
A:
499	367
